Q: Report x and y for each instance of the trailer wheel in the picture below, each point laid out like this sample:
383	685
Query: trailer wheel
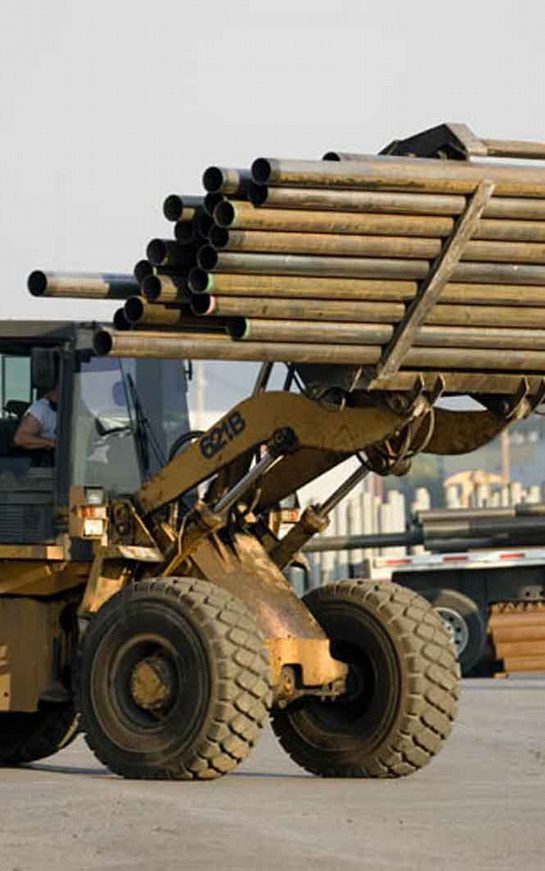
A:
28	737
402	687
174	681
464	623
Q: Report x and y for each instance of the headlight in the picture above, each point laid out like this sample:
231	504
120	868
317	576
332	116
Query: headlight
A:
93	528
94	496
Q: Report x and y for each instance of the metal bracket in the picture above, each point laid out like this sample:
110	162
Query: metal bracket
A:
430	290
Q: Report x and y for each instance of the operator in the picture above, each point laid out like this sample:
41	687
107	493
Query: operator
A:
38	428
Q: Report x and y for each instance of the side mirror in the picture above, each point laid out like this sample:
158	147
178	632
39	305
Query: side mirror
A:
43	368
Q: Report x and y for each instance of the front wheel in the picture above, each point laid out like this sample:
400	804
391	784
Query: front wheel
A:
174	681
402	686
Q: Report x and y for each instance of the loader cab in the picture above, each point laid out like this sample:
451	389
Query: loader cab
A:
116	422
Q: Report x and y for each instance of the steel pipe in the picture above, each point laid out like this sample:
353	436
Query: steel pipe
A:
231	306
140	311
204	347
244	216
167	252
176	206
267	330
416	174
361	267
487	316
85	285
165	289
369	246
390	202
226	284
219	180
201	346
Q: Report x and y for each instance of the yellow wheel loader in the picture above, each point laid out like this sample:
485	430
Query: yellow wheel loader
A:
145	595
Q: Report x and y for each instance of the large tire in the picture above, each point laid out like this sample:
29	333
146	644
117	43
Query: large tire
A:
174	681
29	737
402	687
464	623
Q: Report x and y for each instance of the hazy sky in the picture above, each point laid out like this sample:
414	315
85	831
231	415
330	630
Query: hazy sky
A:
108	105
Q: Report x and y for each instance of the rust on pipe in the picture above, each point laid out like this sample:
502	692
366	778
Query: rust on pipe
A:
203	347
177	207
370	246
211	260
227	284
168	252
85	285
416	174
308	310
161	345
244	216
266	330
257	241
306	287
391	202
220	180
165	289
487	316
140	311
285	264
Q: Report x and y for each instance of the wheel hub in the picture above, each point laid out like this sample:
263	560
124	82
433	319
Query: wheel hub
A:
152	683
456	627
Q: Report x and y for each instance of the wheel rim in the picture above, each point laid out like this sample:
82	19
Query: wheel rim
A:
363	715
150	689
456	627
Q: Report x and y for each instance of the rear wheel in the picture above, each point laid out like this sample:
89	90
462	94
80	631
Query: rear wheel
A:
27	737
402	686
174	681
464	623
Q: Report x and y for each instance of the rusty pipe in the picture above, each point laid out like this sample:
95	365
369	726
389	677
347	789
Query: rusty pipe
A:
165	289
244	216
167	252
226	284
370	246
220	180
179	346
351	267
263	330
487	316
140	311
287	286
391	202
204	347
211	260
177	207
295	309
85	285
416	174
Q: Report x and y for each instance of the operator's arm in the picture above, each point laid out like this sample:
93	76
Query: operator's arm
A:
28	435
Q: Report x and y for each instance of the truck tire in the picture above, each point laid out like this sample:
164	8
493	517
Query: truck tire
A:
174	681
402	688
28	737
464	623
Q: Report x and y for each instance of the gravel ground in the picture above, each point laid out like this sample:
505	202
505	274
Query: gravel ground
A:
479	805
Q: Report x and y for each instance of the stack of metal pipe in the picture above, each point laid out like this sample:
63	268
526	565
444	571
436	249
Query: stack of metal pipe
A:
323	262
